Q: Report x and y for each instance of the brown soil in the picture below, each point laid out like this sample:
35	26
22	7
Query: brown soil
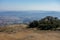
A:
26	34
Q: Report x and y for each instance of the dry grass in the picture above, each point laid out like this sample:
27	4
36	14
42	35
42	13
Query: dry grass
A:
28	34
13	28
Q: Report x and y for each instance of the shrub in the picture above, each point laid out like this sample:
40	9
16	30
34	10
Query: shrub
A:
47	23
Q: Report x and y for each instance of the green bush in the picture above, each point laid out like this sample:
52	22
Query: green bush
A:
47	23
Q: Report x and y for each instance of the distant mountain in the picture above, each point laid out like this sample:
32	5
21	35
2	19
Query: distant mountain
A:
10	17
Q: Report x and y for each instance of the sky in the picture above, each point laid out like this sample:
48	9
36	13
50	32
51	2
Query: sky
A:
18	5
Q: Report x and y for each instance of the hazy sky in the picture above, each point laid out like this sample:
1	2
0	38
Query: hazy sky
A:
17	5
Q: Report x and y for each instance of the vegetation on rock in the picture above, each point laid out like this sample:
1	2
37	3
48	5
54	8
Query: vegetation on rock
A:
47	23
